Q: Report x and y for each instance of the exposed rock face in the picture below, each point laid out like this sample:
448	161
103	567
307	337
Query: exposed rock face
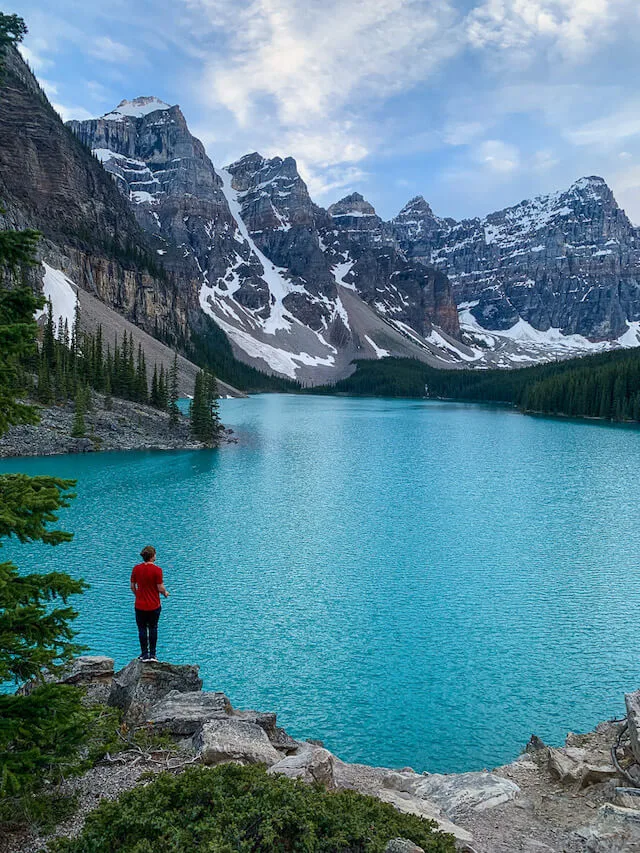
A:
310	763
184	713
568	261
93	673
234	740
142	684
575	764
88	228
632	702
373	262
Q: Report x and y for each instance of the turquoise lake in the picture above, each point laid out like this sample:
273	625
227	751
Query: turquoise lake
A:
415	583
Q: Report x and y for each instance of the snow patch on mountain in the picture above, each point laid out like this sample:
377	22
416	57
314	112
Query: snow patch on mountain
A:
275	277
137	108
62	293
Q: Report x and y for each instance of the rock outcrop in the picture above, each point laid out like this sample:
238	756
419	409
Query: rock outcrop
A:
142	684
88	229
531	805
231	739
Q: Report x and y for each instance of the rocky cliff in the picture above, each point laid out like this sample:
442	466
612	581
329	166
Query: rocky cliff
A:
568	261
579	798
272	265
50	181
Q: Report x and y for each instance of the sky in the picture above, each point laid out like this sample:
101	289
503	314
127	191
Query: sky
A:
474	104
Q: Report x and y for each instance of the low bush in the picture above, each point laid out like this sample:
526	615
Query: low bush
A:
233	809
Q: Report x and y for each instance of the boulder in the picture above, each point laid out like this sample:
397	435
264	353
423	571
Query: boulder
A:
574	764
457	794
632	701
401	845
234	740
628	798
410	804
183	714
267	721
92	672
311	764
142	684
615	830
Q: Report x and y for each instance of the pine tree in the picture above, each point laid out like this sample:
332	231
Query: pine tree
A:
163	391
174	411
79	428
155	400
48	339
205	419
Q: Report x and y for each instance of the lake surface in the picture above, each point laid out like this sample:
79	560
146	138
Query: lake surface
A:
415	583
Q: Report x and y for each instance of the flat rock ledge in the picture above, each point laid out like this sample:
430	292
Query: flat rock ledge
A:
571	799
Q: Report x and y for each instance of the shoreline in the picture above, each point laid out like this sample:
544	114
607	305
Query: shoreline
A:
569	799
122	426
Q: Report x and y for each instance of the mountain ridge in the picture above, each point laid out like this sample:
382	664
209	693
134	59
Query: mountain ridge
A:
538	280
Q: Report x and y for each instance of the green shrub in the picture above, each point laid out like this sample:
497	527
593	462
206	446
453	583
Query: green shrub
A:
233	809
40	736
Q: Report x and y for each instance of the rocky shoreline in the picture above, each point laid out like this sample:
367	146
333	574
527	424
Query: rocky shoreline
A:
573	799
118	425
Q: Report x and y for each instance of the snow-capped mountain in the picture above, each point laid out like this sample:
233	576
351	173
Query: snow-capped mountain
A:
302	291
297	289
567	264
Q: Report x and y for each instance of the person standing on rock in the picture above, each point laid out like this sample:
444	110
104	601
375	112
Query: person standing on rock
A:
147	586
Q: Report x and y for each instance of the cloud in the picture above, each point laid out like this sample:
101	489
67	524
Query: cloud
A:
33	57
571	27
310	68
67	113
626	187
608	131
498	156
544	160
108	50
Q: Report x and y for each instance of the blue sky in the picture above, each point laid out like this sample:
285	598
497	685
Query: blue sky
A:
475	104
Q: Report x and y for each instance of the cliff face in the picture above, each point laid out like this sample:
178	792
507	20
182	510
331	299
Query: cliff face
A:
403	290
51	182
568	261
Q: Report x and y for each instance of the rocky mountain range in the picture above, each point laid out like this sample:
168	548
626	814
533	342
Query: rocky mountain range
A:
568	261
205	258
299	290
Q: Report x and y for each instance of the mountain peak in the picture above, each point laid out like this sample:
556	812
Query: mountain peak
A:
416	207
352	205
137	108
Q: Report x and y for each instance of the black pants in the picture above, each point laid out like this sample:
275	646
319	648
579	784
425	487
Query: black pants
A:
147	622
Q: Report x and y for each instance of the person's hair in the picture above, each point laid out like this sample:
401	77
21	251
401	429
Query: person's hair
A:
148	553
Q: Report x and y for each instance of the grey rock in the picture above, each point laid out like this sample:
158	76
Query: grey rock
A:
416	805
401	845
569	260
183	714
234	740
573	764
535	744
615	830
94	673
142	684
632	702
628	798
310	764
458	794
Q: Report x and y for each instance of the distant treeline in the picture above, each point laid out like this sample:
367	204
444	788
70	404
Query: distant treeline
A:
598	386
